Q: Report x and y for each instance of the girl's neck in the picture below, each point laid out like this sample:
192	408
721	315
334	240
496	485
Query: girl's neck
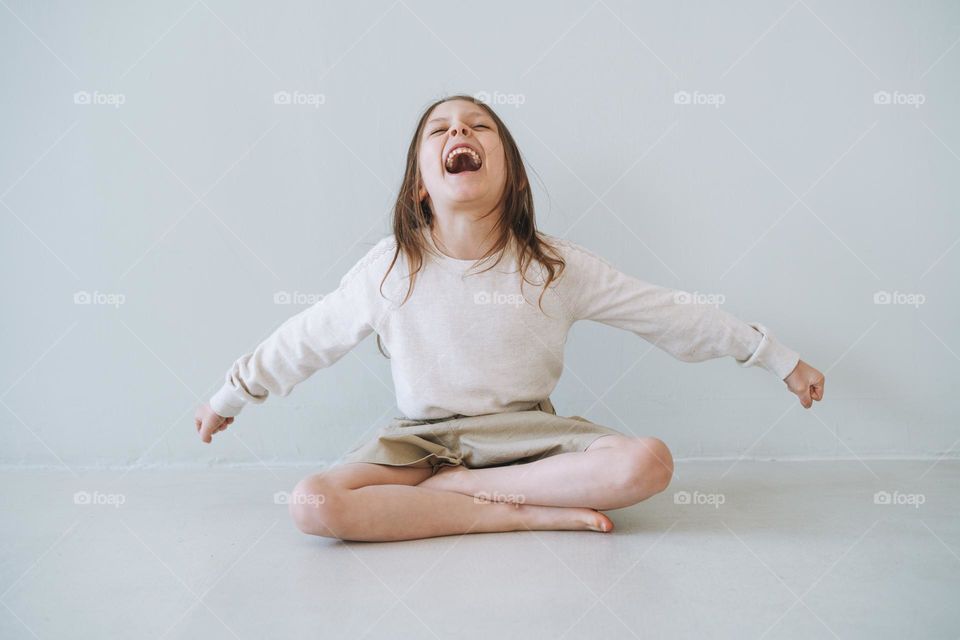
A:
462	237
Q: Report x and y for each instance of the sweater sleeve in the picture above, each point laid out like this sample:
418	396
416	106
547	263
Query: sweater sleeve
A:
671	319
313	339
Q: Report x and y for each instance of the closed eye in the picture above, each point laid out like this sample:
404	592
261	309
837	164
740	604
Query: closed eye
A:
441	130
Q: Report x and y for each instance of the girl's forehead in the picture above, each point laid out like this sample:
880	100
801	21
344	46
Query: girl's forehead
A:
452	108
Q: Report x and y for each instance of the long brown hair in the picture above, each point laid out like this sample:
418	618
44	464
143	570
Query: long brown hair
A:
517	222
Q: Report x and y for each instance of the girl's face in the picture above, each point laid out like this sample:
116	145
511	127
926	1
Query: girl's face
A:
472	175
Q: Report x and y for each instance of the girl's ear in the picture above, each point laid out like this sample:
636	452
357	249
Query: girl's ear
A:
423	193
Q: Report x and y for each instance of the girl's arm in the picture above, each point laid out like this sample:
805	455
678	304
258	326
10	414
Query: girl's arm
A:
671	319
313	339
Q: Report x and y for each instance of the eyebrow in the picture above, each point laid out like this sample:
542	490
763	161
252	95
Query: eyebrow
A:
472	113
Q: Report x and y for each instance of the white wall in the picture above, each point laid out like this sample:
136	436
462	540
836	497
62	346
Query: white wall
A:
199	198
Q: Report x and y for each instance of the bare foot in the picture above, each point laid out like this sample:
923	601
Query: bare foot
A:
537	517
564	518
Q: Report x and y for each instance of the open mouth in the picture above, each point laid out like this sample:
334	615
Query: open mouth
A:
461	159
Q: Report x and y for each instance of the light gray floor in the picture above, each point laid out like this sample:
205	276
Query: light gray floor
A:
796	549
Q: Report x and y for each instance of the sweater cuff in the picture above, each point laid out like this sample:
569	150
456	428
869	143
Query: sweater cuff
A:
776	358
226	402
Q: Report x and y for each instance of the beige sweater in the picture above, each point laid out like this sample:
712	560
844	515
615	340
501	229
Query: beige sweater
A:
470	343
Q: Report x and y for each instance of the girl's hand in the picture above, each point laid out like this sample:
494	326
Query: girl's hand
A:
209	423
807	383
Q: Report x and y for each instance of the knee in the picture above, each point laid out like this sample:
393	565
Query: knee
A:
315	506
650	467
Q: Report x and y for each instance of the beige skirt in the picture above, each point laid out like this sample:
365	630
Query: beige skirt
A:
489	440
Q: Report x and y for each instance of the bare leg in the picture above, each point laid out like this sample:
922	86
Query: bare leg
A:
371	502
614	472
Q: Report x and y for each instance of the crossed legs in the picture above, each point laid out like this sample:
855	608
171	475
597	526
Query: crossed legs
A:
614	472
373	502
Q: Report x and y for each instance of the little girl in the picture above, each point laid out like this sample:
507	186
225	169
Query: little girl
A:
473	305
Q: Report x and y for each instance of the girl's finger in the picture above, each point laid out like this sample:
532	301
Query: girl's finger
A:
207	431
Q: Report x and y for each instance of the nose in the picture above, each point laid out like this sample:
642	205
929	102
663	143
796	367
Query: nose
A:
458	131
